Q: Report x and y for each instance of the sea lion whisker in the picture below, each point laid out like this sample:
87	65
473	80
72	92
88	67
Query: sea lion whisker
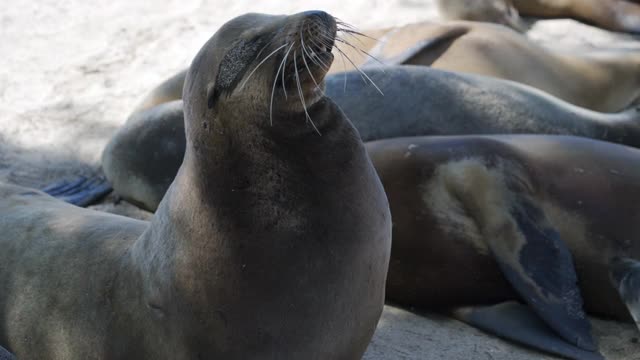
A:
284	88
304	50
273	89
324	65
344	66
343	41
278	35
275	35
309	70
327	41
261	62
304	106
362	51
360	71
344	24
316	59
353	33
343	55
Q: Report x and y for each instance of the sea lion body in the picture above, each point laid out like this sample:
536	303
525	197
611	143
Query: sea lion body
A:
616	15
587	189
480	222
433	102
282	257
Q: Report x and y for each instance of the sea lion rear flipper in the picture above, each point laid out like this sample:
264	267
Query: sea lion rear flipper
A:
625	275
392	52
6	355
539	266
516	322
82	191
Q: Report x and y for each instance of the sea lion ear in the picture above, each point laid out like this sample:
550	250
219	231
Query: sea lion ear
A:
232	68
212	95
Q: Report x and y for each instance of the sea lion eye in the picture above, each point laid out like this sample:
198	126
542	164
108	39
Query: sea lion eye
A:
232	68
212	95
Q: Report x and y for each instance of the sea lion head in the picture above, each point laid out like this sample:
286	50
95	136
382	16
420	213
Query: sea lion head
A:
262	66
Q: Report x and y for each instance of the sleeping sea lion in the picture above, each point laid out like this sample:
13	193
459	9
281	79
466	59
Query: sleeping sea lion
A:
616	15
542	219
283	257
144	155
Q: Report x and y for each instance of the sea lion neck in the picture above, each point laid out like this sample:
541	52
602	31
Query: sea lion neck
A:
242	174
241	139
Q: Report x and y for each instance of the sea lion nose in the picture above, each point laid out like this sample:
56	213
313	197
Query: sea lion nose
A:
318	14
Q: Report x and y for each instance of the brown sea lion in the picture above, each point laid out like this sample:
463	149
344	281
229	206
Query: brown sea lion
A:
600	80
282	257
488	219
616	15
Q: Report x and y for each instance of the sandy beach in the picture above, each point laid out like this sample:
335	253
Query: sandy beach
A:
71	71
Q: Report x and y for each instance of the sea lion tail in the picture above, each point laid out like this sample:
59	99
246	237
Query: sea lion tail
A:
625	276
516	322
6	355
82	191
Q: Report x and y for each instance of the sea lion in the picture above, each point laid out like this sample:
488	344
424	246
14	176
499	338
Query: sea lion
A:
283	257
143	156
600	80
616	15
488	219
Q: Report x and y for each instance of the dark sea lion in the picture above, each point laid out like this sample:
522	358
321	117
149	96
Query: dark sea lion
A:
271	243
616	15
140	159
488	219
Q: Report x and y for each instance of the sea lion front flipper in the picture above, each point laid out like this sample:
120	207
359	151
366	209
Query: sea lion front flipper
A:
625	275
6	355
82	191
539	266
518	323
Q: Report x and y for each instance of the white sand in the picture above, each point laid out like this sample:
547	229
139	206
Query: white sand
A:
70	71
